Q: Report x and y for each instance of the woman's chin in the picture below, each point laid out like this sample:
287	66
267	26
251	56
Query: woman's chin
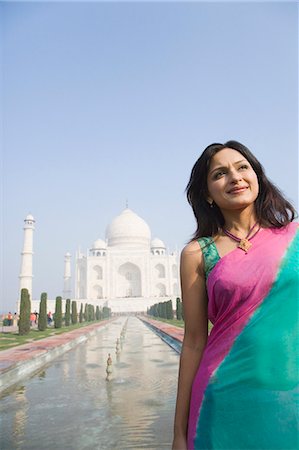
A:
237	205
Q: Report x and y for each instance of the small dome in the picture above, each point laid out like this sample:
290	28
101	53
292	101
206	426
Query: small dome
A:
68	254
30	217
99	244
157	243
128	230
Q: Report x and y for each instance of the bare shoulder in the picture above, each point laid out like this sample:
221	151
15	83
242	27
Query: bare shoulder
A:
192	249
191	256
194	295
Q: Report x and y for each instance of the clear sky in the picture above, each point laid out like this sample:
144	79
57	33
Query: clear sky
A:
103	102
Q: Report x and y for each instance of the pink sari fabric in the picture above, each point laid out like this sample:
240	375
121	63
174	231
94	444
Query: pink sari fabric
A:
236	286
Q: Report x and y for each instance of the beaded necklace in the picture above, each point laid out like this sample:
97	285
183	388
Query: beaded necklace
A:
244	243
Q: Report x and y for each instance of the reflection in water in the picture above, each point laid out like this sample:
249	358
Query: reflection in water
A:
19	422
70	405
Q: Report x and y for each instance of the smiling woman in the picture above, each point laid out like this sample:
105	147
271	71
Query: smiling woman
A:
270	207
232	182
239	272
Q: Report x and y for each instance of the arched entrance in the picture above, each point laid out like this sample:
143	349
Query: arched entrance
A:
128	281
97	291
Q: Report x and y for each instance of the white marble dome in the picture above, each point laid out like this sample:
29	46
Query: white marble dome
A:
157	243
128	230
99	244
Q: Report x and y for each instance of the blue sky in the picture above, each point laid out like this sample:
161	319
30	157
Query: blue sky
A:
103	102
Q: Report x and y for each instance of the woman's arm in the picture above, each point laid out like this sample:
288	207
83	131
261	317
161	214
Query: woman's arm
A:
196	331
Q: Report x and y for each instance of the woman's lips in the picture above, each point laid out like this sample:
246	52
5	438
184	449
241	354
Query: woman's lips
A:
237	190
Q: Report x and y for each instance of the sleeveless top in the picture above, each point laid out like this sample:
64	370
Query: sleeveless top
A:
209	252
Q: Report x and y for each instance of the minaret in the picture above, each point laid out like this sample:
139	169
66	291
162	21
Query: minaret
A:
27	253
67	291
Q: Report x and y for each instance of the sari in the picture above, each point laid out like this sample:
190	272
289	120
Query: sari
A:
245	392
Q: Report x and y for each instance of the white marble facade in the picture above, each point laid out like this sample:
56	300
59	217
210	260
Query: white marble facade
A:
128	271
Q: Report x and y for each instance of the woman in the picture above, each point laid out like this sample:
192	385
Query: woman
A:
237	386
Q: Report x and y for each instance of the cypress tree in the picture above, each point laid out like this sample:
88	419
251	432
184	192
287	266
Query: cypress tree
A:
160	310
86	312
154	310
105	312
67	316
42	318
81	313
178	309
98	314
93	316
74	312
58	313
24	320
164	310
169	310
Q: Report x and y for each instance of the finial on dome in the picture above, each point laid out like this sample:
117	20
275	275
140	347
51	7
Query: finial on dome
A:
127	204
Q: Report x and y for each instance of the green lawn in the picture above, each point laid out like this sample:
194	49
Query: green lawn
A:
175	322
12	339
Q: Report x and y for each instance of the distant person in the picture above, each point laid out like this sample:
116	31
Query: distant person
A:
9	319
238	386
15	319
32	319
49	318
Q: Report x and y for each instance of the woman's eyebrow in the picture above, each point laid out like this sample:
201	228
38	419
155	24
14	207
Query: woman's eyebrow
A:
223	167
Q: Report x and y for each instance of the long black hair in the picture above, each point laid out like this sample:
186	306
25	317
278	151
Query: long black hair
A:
272	209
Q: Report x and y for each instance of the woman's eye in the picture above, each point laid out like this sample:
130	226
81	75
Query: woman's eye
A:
219	174
244	166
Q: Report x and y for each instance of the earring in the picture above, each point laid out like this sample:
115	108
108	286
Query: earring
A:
211	203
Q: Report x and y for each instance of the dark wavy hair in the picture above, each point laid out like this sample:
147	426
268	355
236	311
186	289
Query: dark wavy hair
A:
272	209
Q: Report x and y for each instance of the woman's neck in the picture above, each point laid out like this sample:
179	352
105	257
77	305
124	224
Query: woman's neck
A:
240	221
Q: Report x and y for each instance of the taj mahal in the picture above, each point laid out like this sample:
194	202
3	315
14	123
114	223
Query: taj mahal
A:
128	271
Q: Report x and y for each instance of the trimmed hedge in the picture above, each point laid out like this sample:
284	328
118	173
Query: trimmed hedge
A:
25	309
42	317
58	313
67	317
74	312
81	315
162	309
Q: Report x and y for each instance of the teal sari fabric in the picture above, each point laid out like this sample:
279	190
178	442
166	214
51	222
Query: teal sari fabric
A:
210	253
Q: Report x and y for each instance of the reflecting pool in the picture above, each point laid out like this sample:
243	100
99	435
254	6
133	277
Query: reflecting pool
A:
70	405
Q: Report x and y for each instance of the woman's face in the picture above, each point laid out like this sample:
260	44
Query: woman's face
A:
232	182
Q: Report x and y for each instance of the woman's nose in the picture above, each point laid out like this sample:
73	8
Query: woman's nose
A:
235	176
